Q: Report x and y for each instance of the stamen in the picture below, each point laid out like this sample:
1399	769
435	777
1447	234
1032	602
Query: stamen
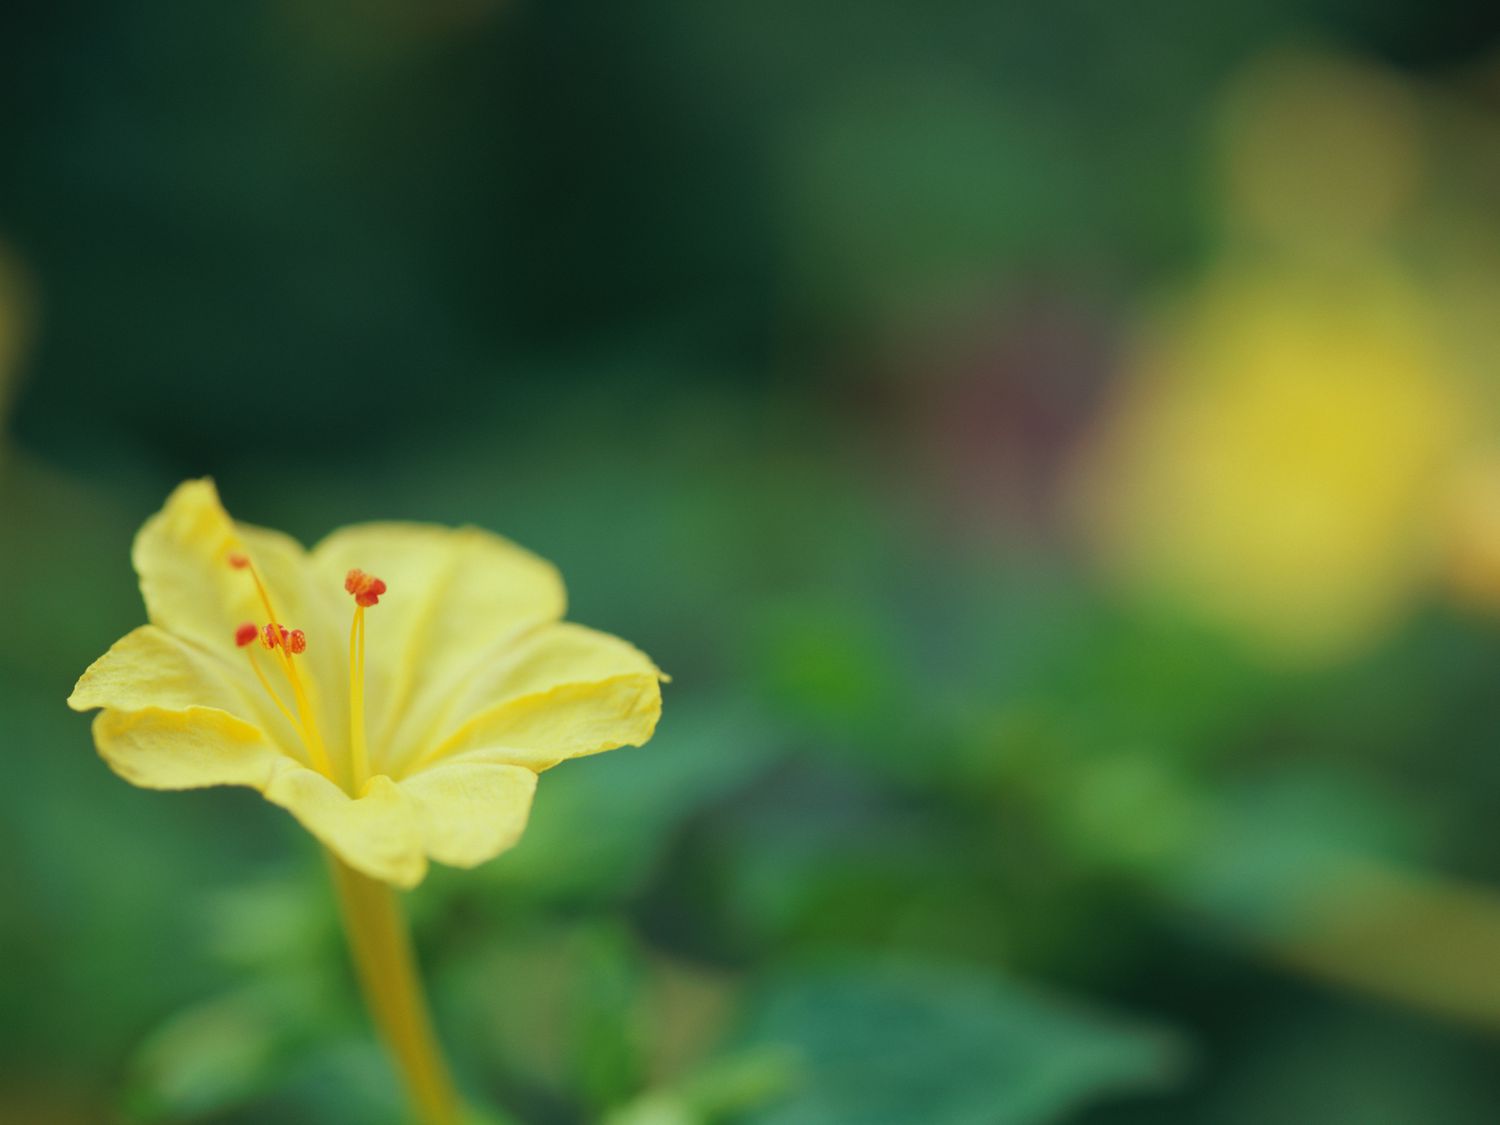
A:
243	636
293	641
311	736
366	589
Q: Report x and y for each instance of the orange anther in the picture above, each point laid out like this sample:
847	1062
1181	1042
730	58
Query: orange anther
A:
239	561
245	634
296	641
273	635
366	588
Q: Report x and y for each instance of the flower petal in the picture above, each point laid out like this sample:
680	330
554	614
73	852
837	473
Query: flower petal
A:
559	692
149	667
187	749
471	809
182	556
455	597
569	721
376	834
557	654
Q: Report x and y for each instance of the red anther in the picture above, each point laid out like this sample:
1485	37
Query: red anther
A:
273	635
366	588
239	561
296	641
245	634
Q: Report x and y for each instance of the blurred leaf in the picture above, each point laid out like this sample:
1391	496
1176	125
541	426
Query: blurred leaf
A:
1337	1064
225	1051
599	825
834	664
726	1086
945	1047
1272	847
555	1013
282	921
341	1081
606	1039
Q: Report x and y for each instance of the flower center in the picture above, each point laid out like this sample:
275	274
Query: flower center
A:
288	643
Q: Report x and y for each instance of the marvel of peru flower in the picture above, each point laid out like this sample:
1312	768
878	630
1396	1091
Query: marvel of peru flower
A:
397	689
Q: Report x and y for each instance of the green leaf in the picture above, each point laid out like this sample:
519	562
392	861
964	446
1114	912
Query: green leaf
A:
894	1045
223	1052
600	825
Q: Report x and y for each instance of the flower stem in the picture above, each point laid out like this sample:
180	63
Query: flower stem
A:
381	945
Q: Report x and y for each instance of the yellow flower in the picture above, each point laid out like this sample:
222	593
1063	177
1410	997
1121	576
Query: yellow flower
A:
1277	457
428	749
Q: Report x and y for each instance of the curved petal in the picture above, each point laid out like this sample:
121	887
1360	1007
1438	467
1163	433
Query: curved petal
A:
149	667
472	808
569	721
182	556
455	597
557	654
187	749
376	833
462	816
559	692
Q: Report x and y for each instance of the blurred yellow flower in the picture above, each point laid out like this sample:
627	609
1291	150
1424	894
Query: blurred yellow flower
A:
1277	456
1280	455
1472	532
430	749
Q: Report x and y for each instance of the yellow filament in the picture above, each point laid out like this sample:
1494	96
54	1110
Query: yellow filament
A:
265	683
358	749
309	726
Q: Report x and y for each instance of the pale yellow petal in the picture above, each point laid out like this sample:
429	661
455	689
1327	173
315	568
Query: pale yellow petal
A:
182	556
471	809
455	597
381	834
149	667
376	834
187	749
539	730
548	657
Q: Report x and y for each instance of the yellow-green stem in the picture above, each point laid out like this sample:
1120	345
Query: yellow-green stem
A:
387	971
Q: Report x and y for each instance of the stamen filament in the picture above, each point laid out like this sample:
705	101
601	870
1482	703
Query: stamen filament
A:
275	698
321	761
359	751
309	725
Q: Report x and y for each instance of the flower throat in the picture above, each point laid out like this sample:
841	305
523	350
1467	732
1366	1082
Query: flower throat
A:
289	643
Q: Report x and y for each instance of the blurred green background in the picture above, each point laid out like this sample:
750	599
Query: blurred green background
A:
1055	449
